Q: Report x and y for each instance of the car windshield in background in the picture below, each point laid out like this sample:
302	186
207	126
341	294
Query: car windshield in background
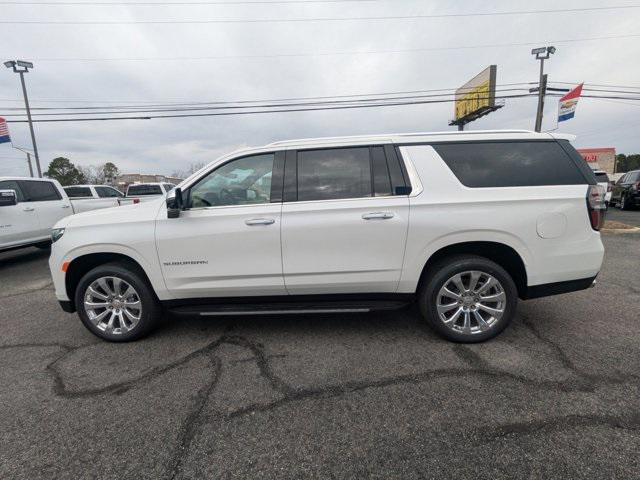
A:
601	177
144	190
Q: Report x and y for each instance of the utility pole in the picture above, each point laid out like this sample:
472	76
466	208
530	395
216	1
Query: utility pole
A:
28	153
22	67
542	54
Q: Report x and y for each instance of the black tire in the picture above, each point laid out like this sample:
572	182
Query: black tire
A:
442	272
623	202
150	314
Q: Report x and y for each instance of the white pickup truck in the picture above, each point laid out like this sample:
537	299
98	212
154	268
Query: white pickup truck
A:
92	197
145	192
29	207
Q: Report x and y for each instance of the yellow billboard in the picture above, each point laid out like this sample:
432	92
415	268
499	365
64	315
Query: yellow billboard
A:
477	94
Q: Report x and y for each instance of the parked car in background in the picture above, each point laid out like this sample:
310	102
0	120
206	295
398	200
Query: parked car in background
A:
603	179
144	192
92	197
29	208
463	224
626	191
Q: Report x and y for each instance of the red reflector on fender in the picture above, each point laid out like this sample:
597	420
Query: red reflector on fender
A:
65	266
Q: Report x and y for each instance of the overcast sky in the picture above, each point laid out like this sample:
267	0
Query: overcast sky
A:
163	145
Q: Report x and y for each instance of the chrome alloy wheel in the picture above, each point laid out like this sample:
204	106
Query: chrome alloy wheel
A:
471	302
112	305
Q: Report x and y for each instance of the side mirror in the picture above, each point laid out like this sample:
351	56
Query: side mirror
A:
175	203
8	198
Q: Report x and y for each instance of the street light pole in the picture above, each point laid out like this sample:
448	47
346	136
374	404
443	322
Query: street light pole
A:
21	67
541	54
28	154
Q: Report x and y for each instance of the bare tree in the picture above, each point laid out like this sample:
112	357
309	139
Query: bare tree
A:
193	168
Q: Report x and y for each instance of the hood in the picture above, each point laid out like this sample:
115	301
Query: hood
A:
139	212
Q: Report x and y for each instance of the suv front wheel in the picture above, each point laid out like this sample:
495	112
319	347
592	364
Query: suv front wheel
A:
468	299
116	303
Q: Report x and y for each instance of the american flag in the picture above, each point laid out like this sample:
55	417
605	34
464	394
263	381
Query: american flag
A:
4	131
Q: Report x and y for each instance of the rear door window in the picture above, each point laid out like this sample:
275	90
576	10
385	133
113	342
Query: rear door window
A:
36	191
78	192
107	192
334	173
144	190
510	164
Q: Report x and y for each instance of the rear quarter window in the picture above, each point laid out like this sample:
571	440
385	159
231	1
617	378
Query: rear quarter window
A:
510	164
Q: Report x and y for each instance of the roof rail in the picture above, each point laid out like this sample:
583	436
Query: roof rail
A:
387	135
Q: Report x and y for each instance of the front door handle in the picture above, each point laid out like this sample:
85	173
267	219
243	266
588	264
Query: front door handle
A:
28	209
259	221
65	206
377	216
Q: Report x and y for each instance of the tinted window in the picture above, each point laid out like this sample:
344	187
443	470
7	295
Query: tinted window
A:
39	191
168	187
12	185
244	181
77	192
633	177
144	190
510	164
601	177
381	178
105	192
334	173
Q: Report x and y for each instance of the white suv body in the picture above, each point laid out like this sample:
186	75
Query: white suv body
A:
346	224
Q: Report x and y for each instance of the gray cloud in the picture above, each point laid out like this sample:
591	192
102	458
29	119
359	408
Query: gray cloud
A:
160	146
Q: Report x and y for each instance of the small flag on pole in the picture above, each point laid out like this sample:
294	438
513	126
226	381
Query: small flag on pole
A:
568	103
4	131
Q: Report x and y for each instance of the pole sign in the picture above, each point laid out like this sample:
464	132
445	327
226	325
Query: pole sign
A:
477	94
567	104
4	131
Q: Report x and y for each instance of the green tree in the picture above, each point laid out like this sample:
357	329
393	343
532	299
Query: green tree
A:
109	172
625	163
62	170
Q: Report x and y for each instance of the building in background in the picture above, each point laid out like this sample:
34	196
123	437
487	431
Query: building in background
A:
124	180
600	158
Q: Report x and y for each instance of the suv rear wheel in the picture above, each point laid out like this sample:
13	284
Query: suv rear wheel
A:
116	303
468	299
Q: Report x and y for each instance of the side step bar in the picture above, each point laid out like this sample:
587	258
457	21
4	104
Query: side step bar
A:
283	308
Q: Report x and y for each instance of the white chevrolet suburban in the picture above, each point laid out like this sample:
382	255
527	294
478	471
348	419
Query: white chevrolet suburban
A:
464	224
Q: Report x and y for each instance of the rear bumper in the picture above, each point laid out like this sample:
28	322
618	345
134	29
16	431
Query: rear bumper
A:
548	289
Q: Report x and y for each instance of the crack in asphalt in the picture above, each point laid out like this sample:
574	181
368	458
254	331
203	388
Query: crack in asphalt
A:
26	292
478	367
625	422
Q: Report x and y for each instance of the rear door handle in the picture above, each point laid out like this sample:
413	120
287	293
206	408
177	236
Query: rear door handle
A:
28	209
259	221
65	206
377	216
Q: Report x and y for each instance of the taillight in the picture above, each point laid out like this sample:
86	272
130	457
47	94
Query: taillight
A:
136	200
637	186
596	206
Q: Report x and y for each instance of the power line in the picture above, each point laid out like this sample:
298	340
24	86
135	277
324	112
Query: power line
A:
327	54
599	85
326	97
246	104
314	19
287	110
220	2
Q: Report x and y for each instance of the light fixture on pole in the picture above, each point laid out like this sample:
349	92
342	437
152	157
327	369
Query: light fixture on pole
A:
542	54
22	67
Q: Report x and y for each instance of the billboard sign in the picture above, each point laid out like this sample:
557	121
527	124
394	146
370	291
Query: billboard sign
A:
476	97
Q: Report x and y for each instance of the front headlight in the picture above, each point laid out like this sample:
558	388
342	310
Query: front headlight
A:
56	234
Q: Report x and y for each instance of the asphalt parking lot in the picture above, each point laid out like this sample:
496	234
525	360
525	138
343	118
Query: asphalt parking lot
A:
557	395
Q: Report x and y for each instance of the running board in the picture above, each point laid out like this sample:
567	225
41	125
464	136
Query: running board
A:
286	308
